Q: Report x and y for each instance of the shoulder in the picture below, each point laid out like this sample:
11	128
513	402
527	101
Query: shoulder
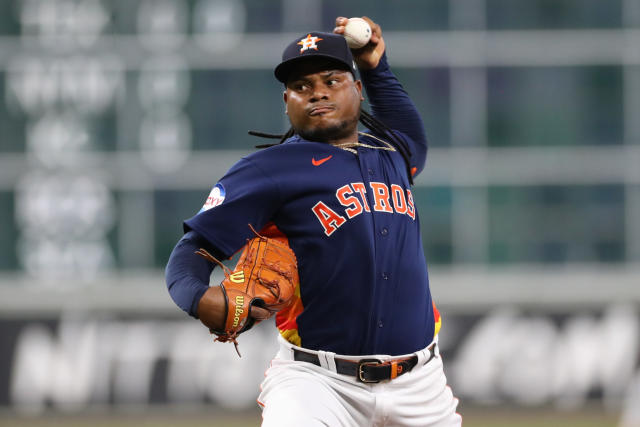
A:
369	136
273	162
282	153
397	146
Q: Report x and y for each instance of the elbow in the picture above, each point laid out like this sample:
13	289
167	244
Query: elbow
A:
183	286
173	279
186	292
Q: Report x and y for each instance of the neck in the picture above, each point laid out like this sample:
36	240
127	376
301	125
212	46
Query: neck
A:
352	137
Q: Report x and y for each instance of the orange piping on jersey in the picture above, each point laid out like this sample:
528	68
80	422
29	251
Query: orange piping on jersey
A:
286	318
271	231
436	319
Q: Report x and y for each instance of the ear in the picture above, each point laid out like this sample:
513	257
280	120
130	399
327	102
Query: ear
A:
358	85
284	98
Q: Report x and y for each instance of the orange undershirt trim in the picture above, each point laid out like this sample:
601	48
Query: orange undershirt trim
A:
286	318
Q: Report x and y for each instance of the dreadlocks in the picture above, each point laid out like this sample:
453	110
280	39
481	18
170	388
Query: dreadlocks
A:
378	128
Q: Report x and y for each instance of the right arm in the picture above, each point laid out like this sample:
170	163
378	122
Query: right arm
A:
388	100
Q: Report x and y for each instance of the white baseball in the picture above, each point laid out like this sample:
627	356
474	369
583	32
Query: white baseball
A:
357	32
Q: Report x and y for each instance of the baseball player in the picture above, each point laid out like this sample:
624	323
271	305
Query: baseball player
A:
358	340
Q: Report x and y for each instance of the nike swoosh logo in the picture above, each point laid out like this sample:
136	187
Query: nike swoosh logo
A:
315	162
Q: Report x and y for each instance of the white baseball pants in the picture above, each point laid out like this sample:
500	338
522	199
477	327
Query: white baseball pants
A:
295	394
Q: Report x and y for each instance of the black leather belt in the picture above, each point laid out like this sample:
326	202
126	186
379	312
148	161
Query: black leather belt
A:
367	370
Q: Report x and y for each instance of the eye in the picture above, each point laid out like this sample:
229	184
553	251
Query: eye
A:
331	82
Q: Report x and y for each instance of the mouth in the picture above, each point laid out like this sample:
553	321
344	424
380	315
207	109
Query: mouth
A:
319	110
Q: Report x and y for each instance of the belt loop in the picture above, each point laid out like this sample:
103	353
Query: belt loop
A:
394	369
286	349
331	361
423	356
327	360
322	359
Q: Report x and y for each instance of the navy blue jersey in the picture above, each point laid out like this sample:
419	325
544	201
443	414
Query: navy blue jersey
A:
349	216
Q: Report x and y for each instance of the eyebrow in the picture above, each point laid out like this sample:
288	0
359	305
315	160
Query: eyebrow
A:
324	74
327	73
330	73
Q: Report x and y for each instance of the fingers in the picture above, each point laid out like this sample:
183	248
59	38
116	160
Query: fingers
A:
376	31
260	313
341	22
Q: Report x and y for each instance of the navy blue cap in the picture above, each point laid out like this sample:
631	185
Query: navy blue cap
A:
315	44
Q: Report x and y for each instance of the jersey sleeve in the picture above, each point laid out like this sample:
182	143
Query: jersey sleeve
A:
244	195
391	104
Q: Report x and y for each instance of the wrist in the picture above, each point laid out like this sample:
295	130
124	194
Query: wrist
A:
381	66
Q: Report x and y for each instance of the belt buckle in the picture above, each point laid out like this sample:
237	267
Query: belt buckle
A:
367	362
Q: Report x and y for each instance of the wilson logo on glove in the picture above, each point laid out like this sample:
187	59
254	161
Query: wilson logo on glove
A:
237	277
239	309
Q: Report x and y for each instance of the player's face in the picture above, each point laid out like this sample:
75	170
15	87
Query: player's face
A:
323	103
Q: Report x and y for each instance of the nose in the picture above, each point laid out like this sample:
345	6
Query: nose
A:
320	92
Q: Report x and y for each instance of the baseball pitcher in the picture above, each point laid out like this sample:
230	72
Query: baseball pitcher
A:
331	247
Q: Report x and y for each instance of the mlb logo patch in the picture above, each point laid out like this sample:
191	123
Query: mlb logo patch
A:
216	197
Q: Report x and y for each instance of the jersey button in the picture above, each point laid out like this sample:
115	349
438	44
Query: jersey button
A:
371	172
384	231
385	276
380	324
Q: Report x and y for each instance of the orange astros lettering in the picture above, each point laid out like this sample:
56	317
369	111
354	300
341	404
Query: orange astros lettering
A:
329	219
360	188
353	197
381	197
399	202
411	210
346	199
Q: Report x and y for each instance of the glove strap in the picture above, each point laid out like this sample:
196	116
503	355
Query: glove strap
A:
206	255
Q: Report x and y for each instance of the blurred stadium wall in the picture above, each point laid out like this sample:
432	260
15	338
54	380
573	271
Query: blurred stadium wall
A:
116	118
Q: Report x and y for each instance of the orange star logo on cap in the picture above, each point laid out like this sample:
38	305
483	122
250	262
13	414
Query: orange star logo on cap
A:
309	42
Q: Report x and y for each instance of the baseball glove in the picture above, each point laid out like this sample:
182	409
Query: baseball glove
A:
266	275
